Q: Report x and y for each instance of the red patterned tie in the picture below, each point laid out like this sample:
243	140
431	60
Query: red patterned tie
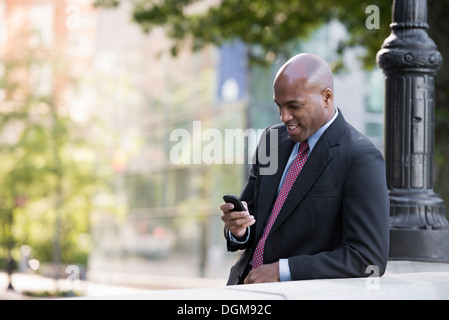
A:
292	174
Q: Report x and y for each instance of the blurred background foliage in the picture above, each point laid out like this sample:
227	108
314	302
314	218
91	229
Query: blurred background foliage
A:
51	175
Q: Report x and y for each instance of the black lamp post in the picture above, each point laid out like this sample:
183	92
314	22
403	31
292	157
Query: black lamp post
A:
410	59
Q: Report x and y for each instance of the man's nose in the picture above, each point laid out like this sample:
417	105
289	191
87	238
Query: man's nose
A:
285	115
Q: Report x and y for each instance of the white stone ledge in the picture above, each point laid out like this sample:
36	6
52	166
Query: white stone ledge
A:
403	280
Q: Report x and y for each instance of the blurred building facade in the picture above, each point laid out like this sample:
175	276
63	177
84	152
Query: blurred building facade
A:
49	30
171	186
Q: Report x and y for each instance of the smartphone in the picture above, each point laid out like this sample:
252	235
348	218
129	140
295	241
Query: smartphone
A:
238	205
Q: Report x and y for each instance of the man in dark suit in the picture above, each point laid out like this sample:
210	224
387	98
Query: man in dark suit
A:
334	222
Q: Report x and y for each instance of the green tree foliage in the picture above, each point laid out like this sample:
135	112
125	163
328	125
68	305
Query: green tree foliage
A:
266	26
272	28
50	170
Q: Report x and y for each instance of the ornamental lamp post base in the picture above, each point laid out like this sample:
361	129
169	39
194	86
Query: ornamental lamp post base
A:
419	230
419	245
410	60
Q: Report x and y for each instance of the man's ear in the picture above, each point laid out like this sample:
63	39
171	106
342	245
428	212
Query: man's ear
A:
328	96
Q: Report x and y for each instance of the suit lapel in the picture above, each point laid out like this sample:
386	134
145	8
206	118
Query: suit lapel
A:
316	163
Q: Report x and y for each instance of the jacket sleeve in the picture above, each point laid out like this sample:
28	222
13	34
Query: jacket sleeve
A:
248	190
365	225
248	195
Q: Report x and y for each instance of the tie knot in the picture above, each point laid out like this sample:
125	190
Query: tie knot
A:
304	146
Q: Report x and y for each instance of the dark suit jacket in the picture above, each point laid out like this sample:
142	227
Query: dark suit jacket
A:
335	220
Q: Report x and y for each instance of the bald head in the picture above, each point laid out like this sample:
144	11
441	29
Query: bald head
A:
303	91
312	70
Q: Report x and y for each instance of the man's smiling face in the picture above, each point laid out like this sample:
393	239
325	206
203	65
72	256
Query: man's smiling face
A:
302	108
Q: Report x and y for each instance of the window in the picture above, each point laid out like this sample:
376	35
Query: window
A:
375	97
41	26
374	129
41	78
3	26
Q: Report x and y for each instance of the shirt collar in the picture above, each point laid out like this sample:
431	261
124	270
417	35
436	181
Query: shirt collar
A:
313	139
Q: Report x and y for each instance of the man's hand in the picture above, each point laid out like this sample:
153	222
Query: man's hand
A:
264	273
236	221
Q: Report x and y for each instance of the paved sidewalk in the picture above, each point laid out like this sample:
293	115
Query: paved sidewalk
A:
36	283
100	284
